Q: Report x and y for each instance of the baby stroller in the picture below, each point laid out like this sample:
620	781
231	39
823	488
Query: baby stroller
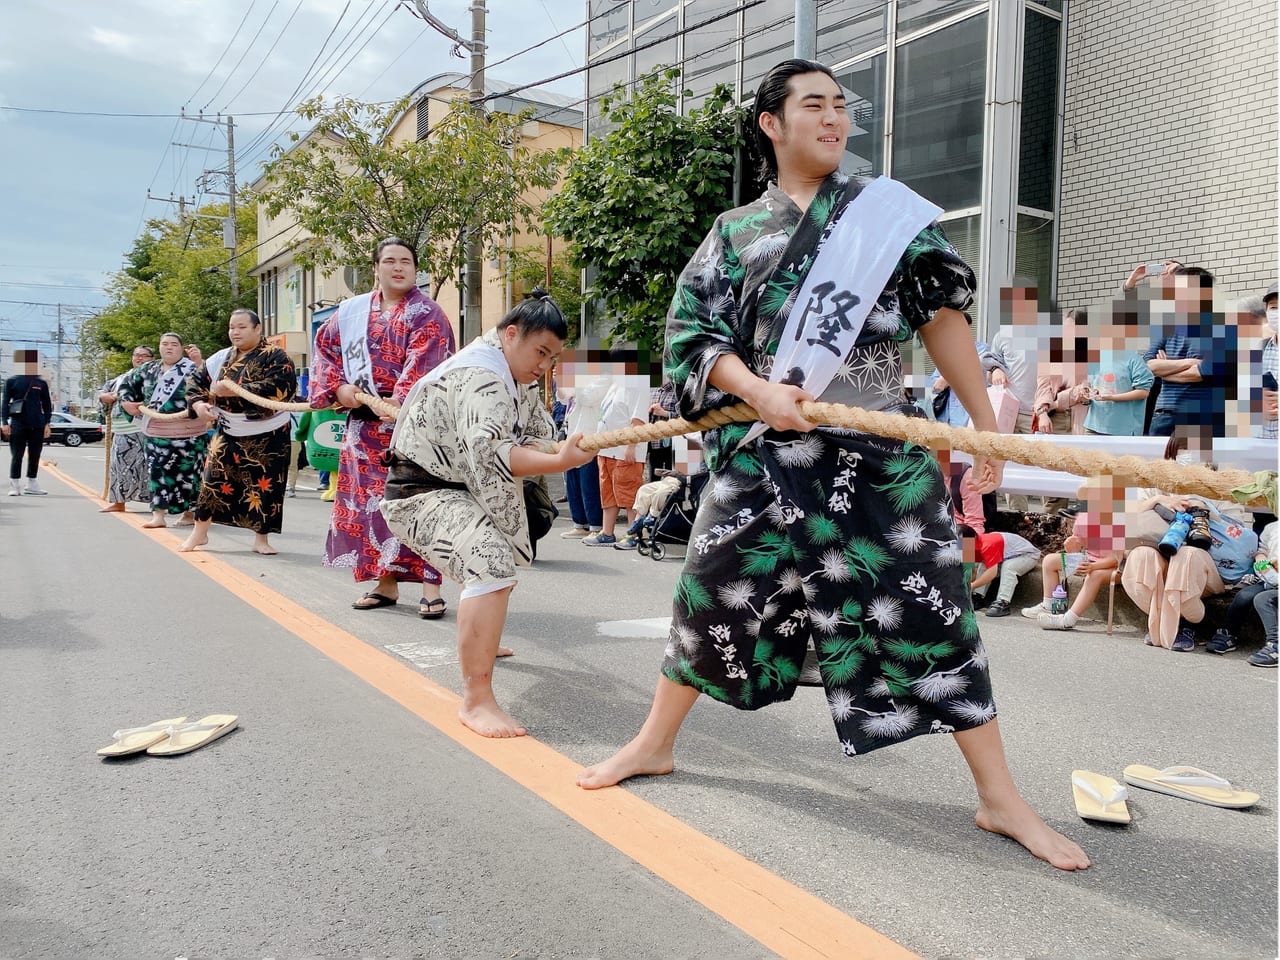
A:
674	522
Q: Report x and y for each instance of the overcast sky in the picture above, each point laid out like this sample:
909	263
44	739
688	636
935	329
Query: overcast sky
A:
73	188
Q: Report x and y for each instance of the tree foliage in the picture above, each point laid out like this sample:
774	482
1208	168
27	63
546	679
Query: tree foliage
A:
174	279
529	270
349	185
637	201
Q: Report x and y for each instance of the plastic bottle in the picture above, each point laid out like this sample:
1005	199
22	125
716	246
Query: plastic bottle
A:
1058	602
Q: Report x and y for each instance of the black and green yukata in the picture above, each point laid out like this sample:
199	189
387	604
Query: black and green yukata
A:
837	537
174	461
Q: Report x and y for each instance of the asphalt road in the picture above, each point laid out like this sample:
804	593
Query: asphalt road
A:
341	821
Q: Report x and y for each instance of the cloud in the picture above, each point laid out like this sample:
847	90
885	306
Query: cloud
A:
113	40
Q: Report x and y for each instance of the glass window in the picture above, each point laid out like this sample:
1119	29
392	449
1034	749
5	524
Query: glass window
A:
937	147
646	10
863	86
600	80
847	29
1038	150
665	50
710	52
1033	252
1054	5
610	21
767	39
916	14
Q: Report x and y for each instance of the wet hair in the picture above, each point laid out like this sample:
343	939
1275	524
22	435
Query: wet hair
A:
248	313
171	334
395	242
537	311
771	95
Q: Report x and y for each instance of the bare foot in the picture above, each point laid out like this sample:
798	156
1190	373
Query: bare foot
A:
113	508
505	652
191	543
266	551
636	759
154	524
1019	822
184	521
490	720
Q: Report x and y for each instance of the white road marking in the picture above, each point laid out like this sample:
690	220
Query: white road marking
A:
655	627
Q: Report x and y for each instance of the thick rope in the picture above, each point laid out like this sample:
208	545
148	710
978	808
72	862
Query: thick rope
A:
376	404
1132	471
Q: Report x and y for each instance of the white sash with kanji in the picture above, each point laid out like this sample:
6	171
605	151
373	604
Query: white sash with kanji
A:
353	334
854	262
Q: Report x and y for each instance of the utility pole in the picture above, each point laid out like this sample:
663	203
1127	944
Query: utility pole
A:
229	238
805	46
58	364
473	278
476	47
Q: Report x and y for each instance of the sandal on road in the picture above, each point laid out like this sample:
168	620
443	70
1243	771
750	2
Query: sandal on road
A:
431	609
1189	783
136	739
1099	797
378	601
185	737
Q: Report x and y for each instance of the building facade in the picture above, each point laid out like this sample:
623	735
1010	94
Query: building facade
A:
1066	141
290	295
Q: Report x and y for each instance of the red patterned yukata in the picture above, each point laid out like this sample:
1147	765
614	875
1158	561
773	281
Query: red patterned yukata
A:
404	343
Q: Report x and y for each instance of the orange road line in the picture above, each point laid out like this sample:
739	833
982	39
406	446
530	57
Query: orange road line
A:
781	916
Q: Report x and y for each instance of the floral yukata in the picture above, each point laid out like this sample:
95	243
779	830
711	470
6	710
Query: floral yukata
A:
248	459
834	537
404	343
460	429
175	448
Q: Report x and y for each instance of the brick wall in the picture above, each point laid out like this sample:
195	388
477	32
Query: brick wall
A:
1169	143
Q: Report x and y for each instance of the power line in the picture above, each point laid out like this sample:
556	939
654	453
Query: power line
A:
148	116
225	51
232	72
628	52
267	56
335	71
316	59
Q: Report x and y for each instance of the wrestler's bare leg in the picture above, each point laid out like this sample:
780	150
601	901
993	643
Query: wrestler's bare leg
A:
157	520
263	546
198	536
480	623
651	753
1001	809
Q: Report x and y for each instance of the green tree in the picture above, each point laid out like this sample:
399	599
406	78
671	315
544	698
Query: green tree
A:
349	185
637	201
529	270
175	278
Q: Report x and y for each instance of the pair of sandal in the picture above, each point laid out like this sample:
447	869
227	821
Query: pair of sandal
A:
168	738
1099	797
427	609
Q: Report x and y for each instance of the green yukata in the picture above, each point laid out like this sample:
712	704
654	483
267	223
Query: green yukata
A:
835	538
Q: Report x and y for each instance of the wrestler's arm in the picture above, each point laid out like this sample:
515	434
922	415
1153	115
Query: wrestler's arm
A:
774	403
528	462
946	337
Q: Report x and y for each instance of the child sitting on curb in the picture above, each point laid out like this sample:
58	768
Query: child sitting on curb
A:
1094	533
1005	554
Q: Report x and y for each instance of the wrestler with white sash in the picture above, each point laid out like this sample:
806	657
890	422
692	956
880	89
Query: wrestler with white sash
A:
380	343
826	536
174	448
248	460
